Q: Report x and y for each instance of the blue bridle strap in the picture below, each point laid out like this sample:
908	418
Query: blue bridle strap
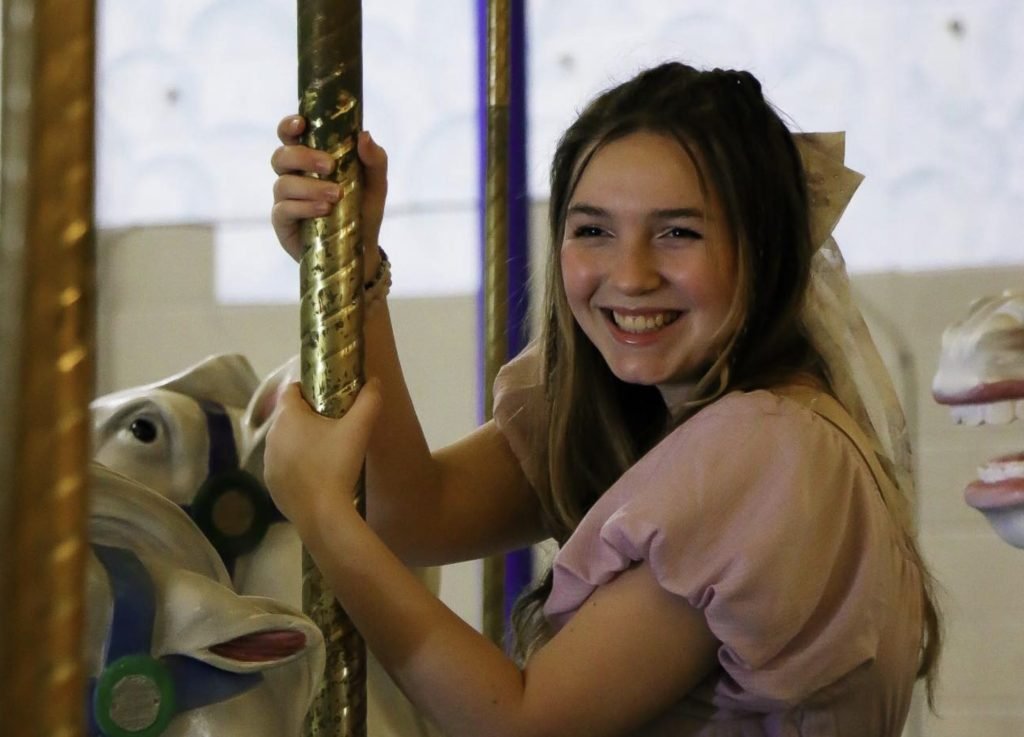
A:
134	602
223	455
198	684
223	473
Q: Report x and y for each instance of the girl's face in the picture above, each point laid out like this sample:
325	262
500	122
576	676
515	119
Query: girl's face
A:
648	265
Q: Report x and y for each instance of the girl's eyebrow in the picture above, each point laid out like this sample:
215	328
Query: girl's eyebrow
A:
678	212
582	208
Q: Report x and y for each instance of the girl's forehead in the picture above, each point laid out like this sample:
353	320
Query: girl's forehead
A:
644	167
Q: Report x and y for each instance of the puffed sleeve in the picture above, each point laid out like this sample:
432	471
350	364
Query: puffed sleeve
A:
520	410
763	515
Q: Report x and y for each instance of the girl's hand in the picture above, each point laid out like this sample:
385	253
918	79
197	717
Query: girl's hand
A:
312	463
299	196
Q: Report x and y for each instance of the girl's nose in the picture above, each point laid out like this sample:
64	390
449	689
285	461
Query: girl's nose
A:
635	269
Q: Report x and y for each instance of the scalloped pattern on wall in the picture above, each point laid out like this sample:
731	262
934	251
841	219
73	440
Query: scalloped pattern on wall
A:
190	92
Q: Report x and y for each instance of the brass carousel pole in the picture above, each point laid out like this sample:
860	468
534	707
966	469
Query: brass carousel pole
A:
331	283
496	240
47	361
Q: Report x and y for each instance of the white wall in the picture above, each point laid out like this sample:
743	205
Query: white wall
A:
190	91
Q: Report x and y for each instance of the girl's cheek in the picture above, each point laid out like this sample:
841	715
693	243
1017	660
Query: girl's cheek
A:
579	271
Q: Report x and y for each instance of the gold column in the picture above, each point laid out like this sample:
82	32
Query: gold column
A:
47	367
496	264
331	284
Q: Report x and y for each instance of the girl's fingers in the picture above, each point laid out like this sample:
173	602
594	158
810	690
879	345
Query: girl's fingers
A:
298	159
296	187
286	214
289	130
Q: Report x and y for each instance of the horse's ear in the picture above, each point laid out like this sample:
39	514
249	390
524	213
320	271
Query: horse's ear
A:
260	411
226	378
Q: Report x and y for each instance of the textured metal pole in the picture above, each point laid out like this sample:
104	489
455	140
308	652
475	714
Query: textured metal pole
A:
496	264
47	286
331	283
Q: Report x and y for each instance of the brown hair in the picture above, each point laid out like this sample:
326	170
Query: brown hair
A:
598	425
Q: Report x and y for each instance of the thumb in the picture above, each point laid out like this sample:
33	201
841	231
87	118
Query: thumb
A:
359	421
375	167
369	401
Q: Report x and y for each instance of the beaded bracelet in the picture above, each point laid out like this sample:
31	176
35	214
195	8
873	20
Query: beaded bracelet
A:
379	285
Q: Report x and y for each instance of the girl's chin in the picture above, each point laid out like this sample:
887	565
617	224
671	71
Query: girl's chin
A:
666	382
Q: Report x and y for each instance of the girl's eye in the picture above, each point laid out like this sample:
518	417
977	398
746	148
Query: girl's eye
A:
681	232
586	231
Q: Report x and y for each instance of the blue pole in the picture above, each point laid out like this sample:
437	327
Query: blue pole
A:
518	565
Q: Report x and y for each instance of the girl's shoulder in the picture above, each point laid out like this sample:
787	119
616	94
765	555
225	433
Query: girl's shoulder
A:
748	454
750	415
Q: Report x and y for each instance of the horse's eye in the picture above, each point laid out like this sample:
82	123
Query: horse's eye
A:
144	430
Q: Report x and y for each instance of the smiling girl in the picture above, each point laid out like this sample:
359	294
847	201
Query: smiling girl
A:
728	494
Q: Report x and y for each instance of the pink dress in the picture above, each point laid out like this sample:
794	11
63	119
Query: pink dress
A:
765	516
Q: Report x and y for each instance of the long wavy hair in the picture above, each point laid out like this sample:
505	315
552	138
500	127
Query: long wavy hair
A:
598	425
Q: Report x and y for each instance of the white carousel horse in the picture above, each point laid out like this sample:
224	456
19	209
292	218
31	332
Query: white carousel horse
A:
170	649
981	378
197	438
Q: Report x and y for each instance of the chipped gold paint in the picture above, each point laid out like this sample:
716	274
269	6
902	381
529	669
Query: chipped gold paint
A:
46	251
331	307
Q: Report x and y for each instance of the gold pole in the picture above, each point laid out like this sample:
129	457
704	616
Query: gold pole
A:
331	284
496	265
47	326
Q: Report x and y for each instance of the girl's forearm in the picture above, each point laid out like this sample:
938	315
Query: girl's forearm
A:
398	457
454	675
467	500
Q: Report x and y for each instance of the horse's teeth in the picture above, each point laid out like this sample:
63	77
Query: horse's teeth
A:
995	413
995	471
999	413
969	414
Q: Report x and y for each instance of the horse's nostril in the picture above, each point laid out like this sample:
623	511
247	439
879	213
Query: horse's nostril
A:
143	430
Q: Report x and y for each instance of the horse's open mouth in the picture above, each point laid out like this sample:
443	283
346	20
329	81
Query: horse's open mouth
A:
998	490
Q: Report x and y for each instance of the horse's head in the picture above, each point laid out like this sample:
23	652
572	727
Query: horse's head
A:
197	438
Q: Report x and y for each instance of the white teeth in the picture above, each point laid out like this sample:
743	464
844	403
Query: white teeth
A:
968	414
643	323
999	413
996	413
996	471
